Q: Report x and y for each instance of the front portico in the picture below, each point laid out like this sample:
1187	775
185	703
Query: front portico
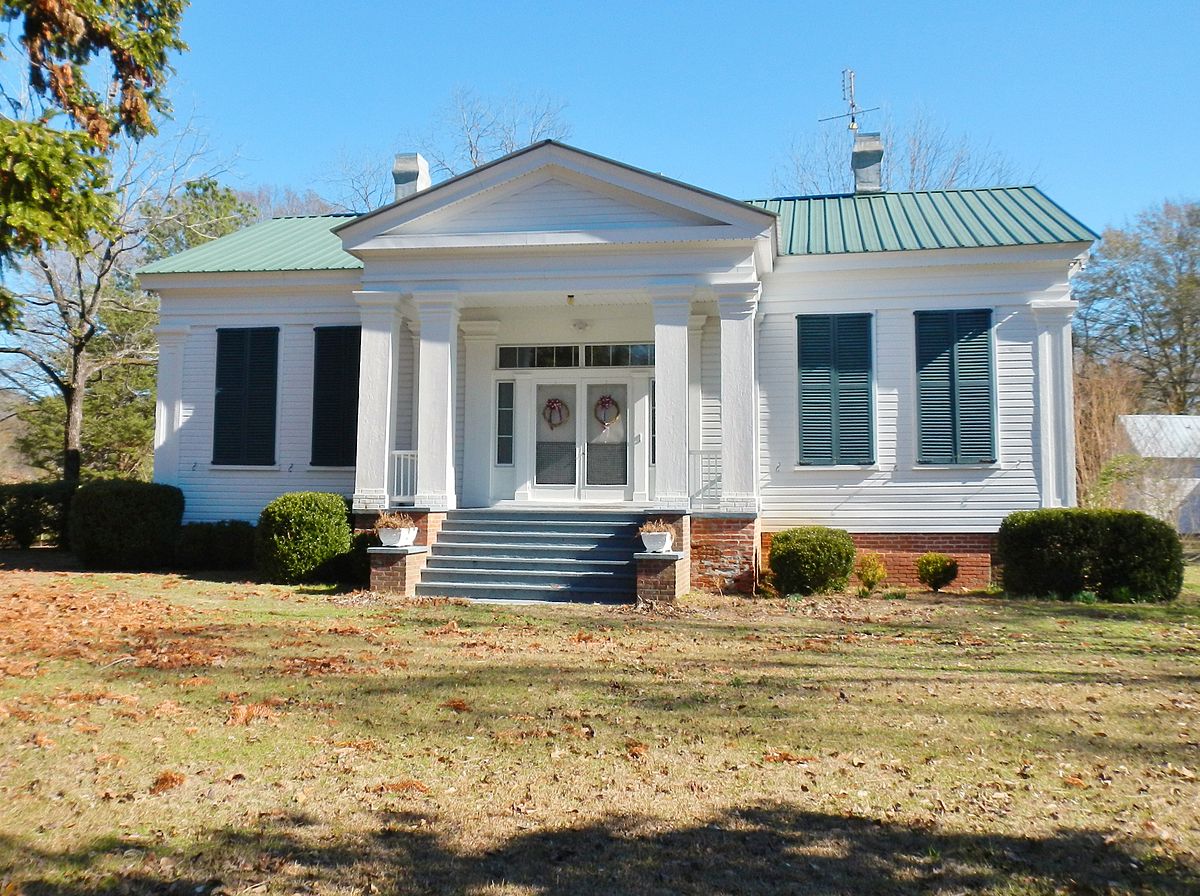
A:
559	329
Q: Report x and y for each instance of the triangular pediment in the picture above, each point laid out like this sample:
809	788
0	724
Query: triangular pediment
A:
551	194
556	202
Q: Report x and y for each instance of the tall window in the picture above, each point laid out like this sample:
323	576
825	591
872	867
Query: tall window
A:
955	388
335	396
835	389
504	423
244	409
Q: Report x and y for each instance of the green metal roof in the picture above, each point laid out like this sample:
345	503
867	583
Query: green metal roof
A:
808	225
934	219
281	244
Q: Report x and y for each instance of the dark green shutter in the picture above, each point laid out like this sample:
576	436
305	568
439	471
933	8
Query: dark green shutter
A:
244	405
335	396
973	387
955	414
835	389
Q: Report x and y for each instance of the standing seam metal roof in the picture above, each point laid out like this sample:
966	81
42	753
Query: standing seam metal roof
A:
808	225
280	244
933	219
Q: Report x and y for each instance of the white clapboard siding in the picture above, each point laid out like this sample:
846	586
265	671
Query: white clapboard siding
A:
554	205
895	494
710	384
215	493
404	436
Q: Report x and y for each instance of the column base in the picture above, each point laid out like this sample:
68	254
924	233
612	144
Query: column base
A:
370	499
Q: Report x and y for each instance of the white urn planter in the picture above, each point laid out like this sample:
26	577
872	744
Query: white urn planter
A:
657	542
397	538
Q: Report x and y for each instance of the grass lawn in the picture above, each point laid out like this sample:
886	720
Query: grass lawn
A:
166	734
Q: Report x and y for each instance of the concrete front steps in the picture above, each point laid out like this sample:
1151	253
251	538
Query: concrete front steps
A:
566	555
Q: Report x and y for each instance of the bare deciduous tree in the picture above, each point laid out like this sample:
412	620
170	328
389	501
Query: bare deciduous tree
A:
1103	393
1140	303
278	202
920	154
81	313
473	129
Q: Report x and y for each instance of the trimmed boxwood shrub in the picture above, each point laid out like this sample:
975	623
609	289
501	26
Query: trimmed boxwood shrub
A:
1120	555
121	524
811	559
300	535
936	571
30	510
228	544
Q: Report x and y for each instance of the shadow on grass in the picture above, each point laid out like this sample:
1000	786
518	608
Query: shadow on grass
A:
756	849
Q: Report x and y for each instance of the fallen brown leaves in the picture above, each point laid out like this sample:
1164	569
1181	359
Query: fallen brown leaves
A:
785	756
457	704
404	785
245	713
167	781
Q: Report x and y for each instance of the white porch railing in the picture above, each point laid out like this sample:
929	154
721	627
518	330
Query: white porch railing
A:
404	476
704	478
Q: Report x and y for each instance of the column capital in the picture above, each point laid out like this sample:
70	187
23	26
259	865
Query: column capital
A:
696	322
436	300
172	334
736	300
479	330
672	309
375	299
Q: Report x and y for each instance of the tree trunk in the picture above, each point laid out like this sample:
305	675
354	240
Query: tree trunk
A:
73	436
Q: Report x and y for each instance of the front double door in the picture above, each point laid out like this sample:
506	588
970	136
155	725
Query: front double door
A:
582	441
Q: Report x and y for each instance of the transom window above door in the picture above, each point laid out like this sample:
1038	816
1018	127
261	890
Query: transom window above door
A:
637	354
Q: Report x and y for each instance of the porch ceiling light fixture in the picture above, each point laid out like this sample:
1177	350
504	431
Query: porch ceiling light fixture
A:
581	324
570	298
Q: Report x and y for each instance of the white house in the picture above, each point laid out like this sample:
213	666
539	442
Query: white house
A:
557	339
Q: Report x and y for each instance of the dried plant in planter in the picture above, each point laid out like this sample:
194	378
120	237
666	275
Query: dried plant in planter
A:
655	526
392	520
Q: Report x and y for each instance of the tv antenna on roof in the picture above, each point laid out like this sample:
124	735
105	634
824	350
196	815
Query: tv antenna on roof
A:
848	96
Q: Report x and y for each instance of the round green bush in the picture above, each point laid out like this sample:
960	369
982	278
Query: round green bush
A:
300	535
1120	555
811	559
122	524
935	571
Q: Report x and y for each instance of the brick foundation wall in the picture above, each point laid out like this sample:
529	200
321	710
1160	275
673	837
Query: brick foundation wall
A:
725	553
973	551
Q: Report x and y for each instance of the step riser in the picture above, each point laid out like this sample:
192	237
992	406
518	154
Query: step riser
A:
545	553
475	592
534	516
514	564
549	539
589	529
485	577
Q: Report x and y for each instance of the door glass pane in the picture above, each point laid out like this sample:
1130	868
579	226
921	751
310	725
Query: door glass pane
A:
607	434
555	456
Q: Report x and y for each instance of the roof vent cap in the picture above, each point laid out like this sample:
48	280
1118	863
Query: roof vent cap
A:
411	174
866	161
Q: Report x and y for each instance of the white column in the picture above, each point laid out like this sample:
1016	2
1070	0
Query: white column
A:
671	312
479	346
168	405
739	434
1056	401
379	314
437	363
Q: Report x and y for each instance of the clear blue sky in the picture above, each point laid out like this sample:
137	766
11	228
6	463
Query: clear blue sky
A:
1098	100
